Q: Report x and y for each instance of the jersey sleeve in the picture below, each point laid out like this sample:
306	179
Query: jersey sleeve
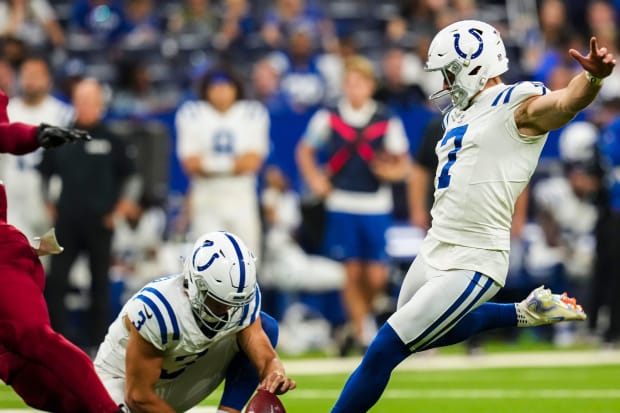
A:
152	314
188	134
519	92
511	97
257	118
317	131
396	141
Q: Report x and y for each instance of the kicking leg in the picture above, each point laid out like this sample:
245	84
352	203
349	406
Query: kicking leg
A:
367	382
438	300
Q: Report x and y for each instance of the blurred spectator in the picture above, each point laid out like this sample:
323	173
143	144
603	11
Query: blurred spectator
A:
135	249
331	66
33	21
237	23
196	17
546	49
266	86
421	186
548	30
607	281
413	15
14	51
394	91
287	15
137	97
566	213
144	28
73	72
222	142
367	148
103	20
99	187
302	82
602	19
286	266
7	78
33	104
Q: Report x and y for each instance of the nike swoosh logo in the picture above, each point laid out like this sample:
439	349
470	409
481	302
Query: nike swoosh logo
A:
146	311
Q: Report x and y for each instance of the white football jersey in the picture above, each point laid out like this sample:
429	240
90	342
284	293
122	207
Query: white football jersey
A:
24	187
224	201
215	136
484	163
194	364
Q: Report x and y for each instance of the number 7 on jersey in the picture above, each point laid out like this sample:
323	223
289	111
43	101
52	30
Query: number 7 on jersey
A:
456	134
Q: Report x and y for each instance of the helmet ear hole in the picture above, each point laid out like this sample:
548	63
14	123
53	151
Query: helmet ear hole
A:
475	71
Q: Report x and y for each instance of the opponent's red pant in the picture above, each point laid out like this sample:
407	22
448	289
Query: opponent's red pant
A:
45	369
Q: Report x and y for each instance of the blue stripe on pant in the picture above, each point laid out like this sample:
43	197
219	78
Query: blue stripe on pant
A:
435	329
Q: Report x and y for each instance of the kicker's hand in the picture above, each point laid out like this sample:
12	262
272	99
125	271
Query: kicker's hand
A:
52	136
599	62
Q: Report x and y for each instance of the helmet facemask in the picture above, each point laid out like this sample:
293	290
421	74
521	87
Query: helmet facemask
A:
458	96
214	320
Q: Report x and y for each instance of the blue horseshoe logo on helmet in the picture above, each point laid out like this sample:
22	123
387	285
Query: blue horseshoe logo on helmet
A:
460	52
208	264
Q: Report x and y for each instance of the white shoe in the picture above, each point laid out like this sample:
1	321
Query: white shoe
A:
544	307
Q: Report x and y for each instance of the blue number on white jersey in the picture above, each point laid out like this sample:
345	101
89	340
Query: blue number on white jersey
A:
185	361
223	141
457	135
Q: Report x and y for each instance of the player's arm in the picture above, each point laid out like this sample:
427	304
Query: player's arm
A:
553	110
394	162
17	138
417	192
519	217
316	133
256	345
143	363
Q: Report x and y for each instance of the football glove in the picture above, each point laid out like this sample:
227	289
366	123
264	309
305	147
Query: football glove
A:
50	136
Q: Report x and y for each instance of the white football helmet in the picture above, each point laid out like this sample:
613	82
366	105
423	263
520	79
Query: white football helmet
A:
468	53
223	269
578	142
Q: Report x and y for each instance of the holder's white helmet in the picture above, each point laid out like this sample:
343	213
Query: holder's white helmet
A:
221	270
468	53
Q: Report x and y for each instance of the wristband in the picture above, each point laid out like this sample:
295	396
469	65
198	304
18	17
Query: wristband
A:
593	79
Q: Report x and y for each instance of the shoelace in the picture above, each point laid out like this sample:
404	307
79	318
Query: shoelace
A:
570	301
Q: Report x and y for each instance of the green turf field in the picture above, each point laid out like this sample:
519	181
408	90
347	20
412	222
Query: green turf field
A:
589	389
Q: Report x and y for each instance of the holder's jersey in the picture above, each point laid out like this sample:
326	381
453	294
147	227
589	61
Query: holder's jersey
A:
484	164
162	314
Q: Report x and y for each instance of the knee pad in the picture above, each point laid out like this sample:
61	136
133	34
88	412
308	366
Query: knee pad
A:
270	326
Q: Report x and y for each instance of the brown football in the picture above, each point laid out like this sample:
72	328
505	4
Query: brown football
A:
265	402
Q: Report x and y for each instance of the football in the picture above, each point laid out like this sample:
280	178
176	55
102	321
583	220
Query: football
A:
265	402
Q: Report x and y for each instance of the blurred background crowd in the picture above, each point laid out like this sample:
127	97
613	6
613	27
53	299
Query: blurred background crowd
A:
138	74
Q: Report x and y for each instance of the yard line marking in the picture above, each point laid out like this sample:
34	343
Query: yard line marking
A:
426	361
469	394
